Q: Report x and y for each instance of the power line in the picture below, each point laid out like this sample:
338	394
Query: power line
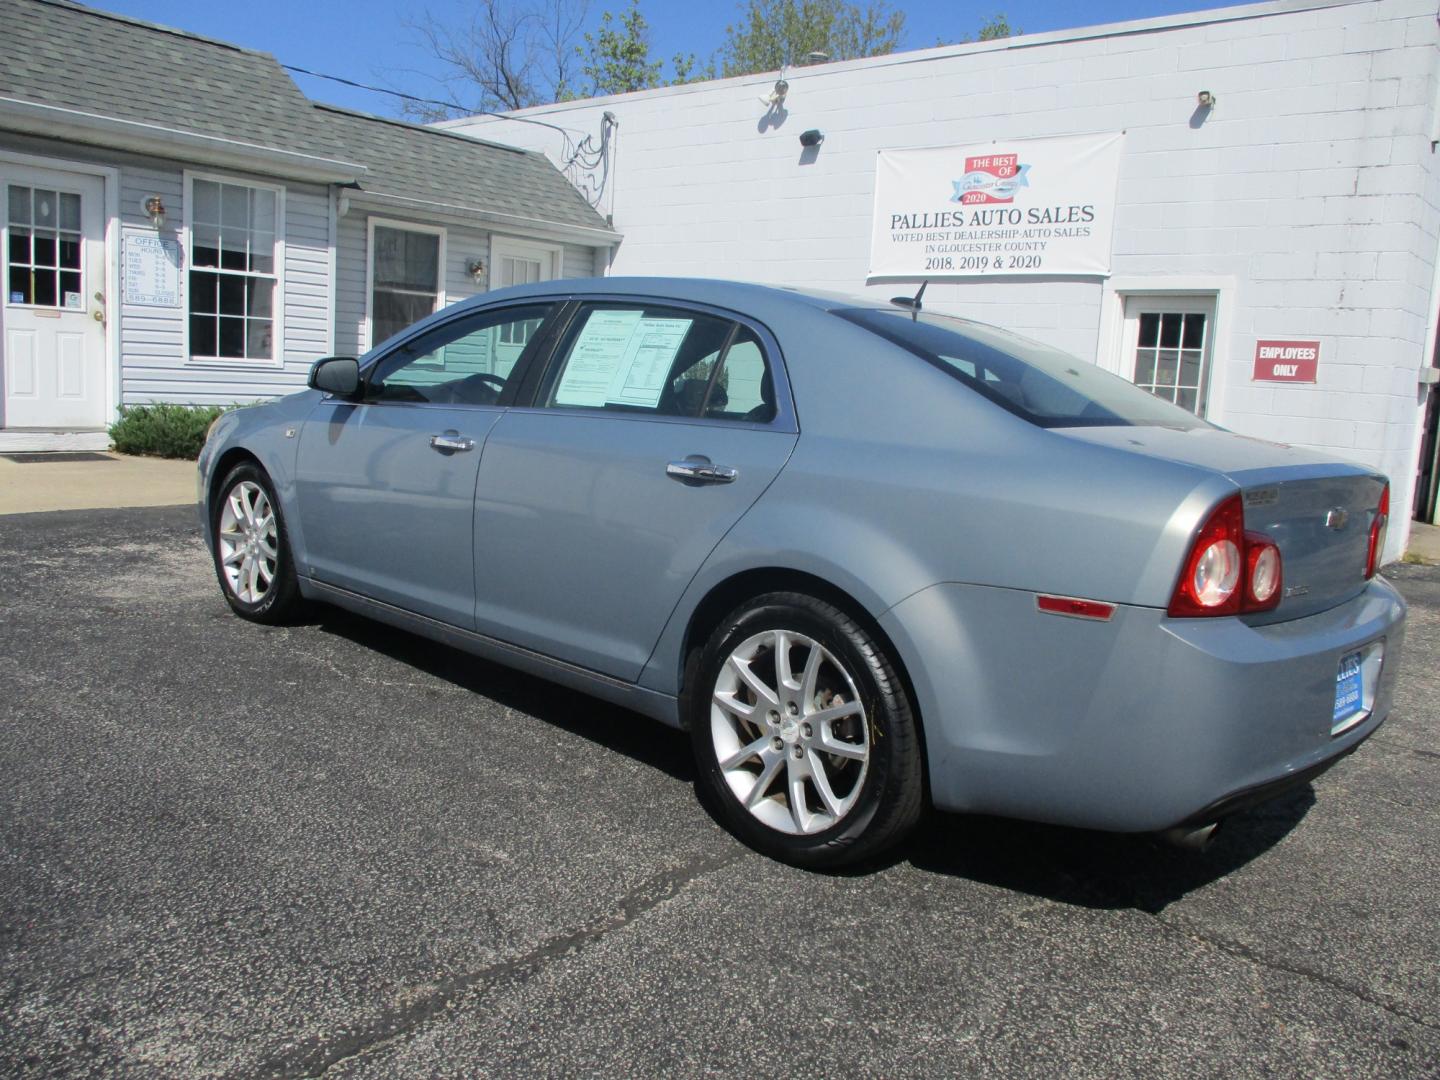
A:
590	156
425	100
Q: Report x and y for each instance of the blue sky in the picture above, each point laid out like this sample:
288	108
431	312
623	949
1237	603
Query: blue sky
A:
368	41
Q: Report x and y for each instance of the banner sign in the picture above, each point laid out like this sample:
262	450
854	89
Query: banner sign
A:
1286	361
1021	207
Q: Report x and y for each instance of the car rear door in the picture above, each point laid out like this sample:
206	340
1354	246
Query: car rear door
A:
655	428
387	484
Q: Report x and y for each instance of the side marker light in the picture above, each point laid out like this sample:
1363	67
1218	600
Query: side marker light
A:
1075	607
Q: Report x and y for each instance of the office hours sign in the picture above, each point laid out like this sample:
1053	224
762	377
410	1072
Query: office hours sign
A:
1020	207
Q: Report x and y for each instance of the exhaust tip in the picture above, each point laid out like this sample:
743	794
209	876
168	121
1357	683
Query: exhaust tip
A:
1192	837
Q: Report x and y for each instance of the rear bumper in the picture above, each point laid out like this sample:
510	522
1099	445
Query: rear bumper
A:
1239	801
1140	723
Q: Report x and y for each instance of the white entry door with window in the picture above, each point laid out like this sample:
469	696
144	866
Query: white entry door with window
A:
53	322
518	262
1167	347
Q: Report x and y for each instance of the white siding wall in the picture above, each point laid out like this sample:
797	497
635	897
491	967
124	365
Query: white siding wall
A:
307	278
1312	187
152	339
350	277
580	262
154	366
463	244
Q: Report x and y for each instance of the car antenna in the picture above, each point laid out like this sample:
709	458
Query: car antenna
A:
911	303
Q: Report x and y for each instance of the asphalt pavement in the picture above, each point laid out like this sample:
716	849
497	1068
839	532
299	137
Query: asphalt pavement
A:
229	850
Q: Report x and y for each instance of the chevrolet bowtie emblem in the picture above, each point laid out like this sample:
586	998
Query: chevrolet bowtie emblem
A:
1337	518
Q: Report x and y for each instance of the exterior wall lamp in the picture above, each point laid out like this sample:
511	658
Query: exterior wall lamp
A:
476	269
155	210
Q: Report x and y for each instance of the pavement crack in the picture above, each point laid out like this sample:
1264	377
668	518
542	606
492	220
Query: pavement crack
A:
1252	956
1432	754
315	1057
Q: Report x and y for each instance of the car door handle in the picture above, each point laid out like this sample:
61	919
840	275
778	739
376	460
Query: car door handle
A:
450	444
701	472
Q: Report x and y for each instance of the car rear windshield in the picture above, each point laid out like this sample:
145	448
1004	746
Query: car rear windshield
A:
1034	381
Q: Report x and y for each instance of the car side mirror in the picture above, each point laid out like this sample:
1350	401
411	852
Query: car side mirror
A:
338	375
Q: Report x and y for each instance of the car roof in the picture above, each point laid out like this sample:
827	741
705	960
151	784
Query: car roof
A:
743	296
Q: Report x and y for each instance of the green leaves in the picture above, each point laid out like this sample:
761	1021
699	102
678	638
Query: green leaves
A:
617	56
775	33
170	431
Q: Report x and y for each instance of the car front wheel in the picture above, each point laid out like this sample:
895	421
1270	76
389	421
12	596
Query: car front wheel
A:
804	734
252	554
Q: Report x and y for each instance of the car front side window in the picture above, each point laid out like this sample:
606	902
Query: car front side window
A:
468	361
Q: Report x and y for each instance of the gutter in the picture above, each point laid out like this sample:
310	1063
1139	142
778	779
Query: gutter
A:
563	230
53	121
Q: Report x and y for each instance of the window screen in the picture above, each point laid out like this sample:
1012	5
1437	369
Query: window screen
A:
406	280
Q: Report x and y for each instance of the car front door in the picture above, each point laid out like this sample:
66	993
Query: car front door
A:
387	483
654	429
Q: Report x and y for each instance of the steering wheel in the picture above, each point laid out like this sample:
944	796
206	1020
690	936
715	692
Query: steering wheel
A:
482	388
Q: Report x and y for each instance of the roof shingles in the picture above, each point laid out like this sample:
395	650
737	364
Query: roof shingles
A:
170	79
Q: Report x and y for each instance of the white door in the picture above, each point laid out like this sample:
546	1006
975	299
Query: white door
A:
517	262
1167	347
53	320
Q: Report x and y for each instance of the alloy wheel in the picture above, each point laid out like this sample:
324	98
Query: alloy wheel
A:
790	733
248	537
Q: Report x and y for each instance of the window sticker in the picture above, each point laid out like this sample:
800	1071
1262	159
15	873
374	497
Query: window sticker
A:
621	358
648	359
17	297
596	358
72	300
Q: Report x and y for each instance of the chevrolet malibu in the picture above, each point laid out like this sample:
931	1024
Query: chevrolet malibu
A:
871	558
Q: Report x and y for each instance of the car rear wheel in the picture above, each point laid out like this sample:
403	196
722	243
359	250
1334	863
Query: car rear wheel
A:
252	553
804	734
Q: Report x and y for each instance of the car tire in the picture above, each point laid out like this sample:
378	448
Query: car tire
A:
252	547
813	759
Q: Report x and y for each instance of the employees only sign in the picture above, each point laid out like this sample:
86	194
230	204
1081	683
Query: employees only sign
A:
1020	207
1286	361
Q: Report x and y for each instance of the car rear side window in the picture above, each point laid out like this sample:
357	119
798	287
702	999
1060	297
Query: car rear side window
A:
743	389
660	361
1041	384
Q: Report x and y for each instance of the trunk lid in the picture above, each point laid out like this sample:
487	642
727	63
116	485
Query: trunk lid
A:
1317	510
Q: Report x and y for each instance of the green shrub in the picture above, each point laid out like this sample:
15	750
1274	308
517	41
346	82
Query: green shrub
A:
171	431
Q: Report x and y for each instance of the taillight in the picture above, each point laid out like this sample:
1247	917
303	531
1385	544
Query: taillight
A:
1377	534
1228	570
1264	574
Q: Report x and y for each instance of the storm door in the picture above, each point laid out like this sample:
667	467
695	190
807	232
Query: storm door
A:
406	277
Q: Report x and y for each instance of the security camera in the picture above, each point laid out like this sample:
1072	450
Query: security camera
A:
813	137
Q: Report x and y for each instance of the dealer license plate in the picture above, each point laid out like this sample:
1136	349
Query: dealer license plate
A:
1349	688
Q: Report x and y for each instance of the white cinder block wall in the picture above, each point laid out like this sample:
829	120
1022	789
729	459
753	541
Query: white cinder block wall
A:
1308	200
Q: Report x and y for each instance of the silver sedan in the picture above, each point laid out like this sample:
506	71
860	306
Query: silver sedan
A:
872	559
